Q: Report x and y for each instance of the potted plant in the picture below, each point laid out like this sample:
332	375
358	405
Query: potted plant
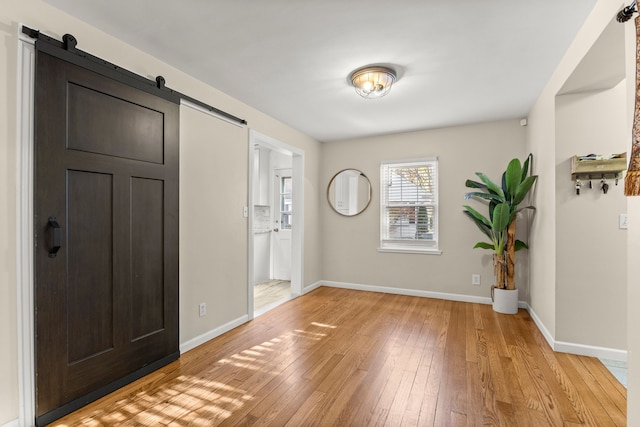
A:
500	226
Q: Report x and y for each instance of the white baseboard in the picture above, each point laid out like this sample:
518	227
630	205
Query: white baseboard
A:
311	287
259	312
559	346
201	339
409	292
14	423
591	350
579	349
543	329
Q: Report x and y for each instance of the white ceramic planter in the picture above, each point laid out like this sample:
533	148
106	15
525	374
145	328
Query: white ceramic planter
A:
505	301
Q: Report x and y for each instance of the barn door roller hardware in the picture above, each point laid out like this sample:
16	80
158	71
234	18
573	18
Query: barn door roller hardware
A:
66	50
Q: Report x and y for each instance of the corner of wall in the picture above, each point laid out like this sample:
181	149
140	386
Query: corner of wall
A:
541	141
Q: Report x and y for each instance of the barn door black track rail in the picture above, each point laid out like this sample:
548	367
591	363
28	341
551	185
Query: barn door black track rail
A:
66	50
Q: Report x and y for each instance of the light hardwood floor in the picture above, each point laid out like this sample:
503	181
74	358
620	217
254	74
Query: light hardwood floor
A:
269	292
338	357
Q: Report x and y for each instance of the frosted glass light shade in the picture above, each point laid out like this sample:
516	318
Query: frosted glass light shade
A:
373	82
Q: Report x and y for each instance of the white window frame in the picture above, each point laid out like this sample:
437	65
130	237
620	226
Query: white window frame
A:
409	246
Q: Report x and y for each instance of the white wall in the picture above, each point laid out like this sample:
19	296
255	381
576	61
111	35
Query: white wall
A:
225	147
542	243
591	252
633	314
541	140
350	243
213	232
633	254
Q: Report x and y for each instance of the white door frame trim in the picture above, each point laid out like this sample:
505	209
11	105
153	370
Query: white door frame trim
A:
24	232
297	228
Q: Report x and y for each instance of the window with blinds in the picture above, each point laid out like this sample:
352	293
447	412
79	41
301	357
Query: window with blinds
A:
409	206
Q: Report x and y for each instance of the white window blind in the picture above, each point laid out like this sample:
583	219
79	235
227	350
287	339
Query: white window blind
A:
409	211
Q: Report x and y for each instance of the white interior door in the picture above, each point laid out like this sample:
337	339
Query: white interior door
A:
282	223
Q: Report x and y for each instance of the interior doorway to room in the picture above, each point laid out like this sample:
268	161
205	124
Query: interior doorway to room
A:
276	218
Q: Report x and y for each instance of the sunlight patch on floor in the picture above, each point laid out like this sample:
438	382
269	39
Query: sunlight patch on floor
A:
197	400
322	325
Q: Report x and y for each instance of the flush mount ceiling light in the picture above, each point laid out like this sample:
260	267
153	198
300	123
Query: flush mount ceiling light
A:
373	82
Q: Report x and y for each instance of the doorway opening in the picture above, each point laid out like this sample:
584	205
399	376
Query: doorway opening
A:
270	294
276	221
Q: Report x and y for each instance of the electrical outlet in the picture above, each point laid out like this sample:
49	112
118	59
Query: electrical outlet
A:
622	221
475	279
202	308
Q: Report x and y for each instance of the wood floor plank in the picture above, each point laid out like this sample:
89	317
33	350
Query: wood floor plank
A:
434	380
498	352
491	381
458	420
470	330
605	383
474	394
526	412
453	380
418	392
607	401
584	391
301	417
338	357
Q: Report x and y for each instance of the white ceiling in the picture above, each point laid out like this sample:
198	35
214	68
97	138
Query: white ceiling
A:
458	62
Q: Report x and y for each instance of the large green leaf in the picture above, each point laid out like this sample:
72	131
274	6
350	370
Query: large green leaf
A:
490	184
519	244
523	189
512	177
484	245
501	218
484	196
474	184
504	186
492	207
477	215
525	168
486	230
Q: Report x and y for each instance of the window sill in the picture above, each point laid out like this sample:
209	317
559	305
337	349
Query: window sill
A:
405	250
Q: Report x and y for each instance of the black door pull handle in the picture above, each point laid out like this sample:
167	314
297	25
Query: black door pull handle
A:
56	236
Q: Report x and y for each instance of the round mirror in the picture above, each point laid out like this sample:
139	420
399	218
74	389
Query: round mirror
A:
349	192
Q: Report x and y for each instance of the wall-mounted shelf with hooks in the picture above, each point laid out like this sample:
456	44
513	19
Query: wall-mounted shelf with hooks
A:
597	167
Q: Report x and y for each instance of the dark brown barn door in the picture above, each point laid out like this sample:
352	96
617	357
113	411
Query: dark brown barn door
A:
106	224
